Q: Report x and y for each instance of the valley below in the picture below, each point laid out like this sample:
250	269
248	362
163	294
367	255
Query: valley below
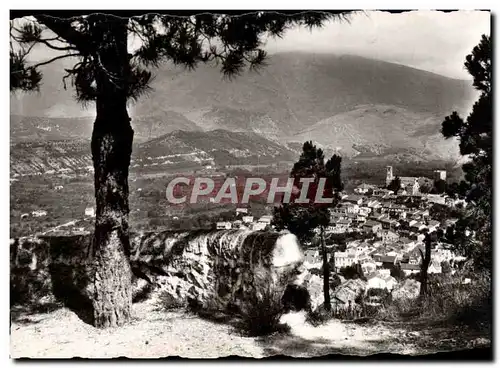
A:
196	123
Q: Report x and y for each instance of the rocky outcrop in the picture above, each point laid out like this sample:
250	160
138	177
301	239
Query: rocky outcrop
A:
208	268
217	269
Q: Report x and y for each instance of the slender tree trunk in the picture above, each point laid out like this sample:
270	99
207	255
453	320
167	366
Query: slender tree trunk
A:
111	150
426	260
326	273
333	257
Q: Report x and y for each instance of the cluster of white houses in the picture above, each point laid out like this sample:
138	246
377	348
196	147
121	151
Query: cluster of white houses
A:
244	220
393	226
89	211
377	258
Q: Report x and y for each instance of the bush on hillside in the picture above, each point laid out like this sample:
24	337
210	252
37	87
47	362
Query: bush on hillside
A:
449	300
167	302
262	316
319	317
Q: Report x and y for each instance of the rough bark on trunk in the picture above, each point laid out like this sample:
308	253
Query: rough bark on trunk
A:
426	259
326	273
111	150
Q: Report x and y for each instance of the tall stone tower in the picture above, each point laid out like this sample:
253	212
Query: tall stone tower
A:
389	177
440	175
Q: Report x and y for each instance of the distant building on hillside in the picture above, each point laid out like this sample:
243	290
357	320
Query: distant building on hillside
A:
377	281
371	226
410	269
436	198
242	211
368	267
224	225
247	219
257	226
363	189
389	175
312	256
354	199
90	211
39	213
344	259
410	184
266	219
440	175
381	192
434	267
388	235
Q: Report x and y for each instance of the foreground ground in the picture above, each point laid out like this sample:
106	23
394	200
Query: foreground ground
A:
153	333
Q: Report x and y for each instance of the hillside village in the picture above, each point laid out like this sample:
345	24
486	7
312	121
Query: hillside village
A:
385	234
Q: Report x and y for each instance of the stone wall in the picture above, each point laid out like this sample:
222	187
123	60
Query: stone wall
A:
208	268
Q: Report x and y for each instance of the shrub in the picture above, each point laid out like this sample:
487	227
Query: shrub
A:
295	298
445	267
398	310
458	302
397	272
319	316
141	293
262	316
168	302
28	286
449	300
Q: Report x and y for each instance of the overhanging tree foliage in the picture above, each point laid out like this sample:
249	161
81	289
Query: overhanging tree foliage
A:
473	230
106	72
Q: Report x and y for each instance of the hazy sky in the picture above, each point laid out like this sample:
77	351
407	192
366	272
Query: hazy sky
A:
428	40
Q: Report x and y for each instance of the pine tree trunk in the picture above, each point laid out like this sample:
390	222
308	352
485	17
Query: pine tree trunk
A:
111	150
426	259
326	273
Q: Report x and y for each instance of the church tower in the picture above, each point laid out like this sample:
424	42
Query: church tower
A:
389	177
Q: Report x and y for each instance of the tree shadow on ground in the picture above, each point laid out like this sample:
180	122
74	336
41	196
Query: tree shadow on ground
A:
239	324
289	346
417	341
220	317
323	348
296	346
27	314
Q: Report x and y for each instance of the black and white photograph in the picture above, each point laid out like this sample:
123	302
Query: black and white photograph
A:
251	184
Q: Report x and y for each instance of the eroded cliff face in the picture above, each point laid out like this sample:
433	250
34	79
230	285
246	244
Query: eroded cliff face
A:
210	269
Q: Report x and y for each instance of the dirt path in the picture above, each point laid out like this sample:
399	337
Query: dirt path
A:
152	333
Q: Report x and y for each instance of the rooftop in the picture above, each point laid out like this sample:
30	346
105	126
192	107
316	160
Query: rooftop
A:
371	223
410	267
387	259
354	197
365	186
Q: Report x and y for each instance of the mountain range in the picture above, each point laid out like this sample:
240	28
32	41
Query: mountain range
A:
178	149
348	104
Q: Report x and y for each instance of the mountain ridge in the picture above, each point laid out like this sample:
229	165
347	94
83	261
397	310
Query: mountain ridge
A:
338	99
176	150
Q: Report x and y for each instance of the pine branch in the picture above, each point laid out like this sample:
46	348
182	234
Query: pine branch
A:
58	48
63	29
232	42
53	59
